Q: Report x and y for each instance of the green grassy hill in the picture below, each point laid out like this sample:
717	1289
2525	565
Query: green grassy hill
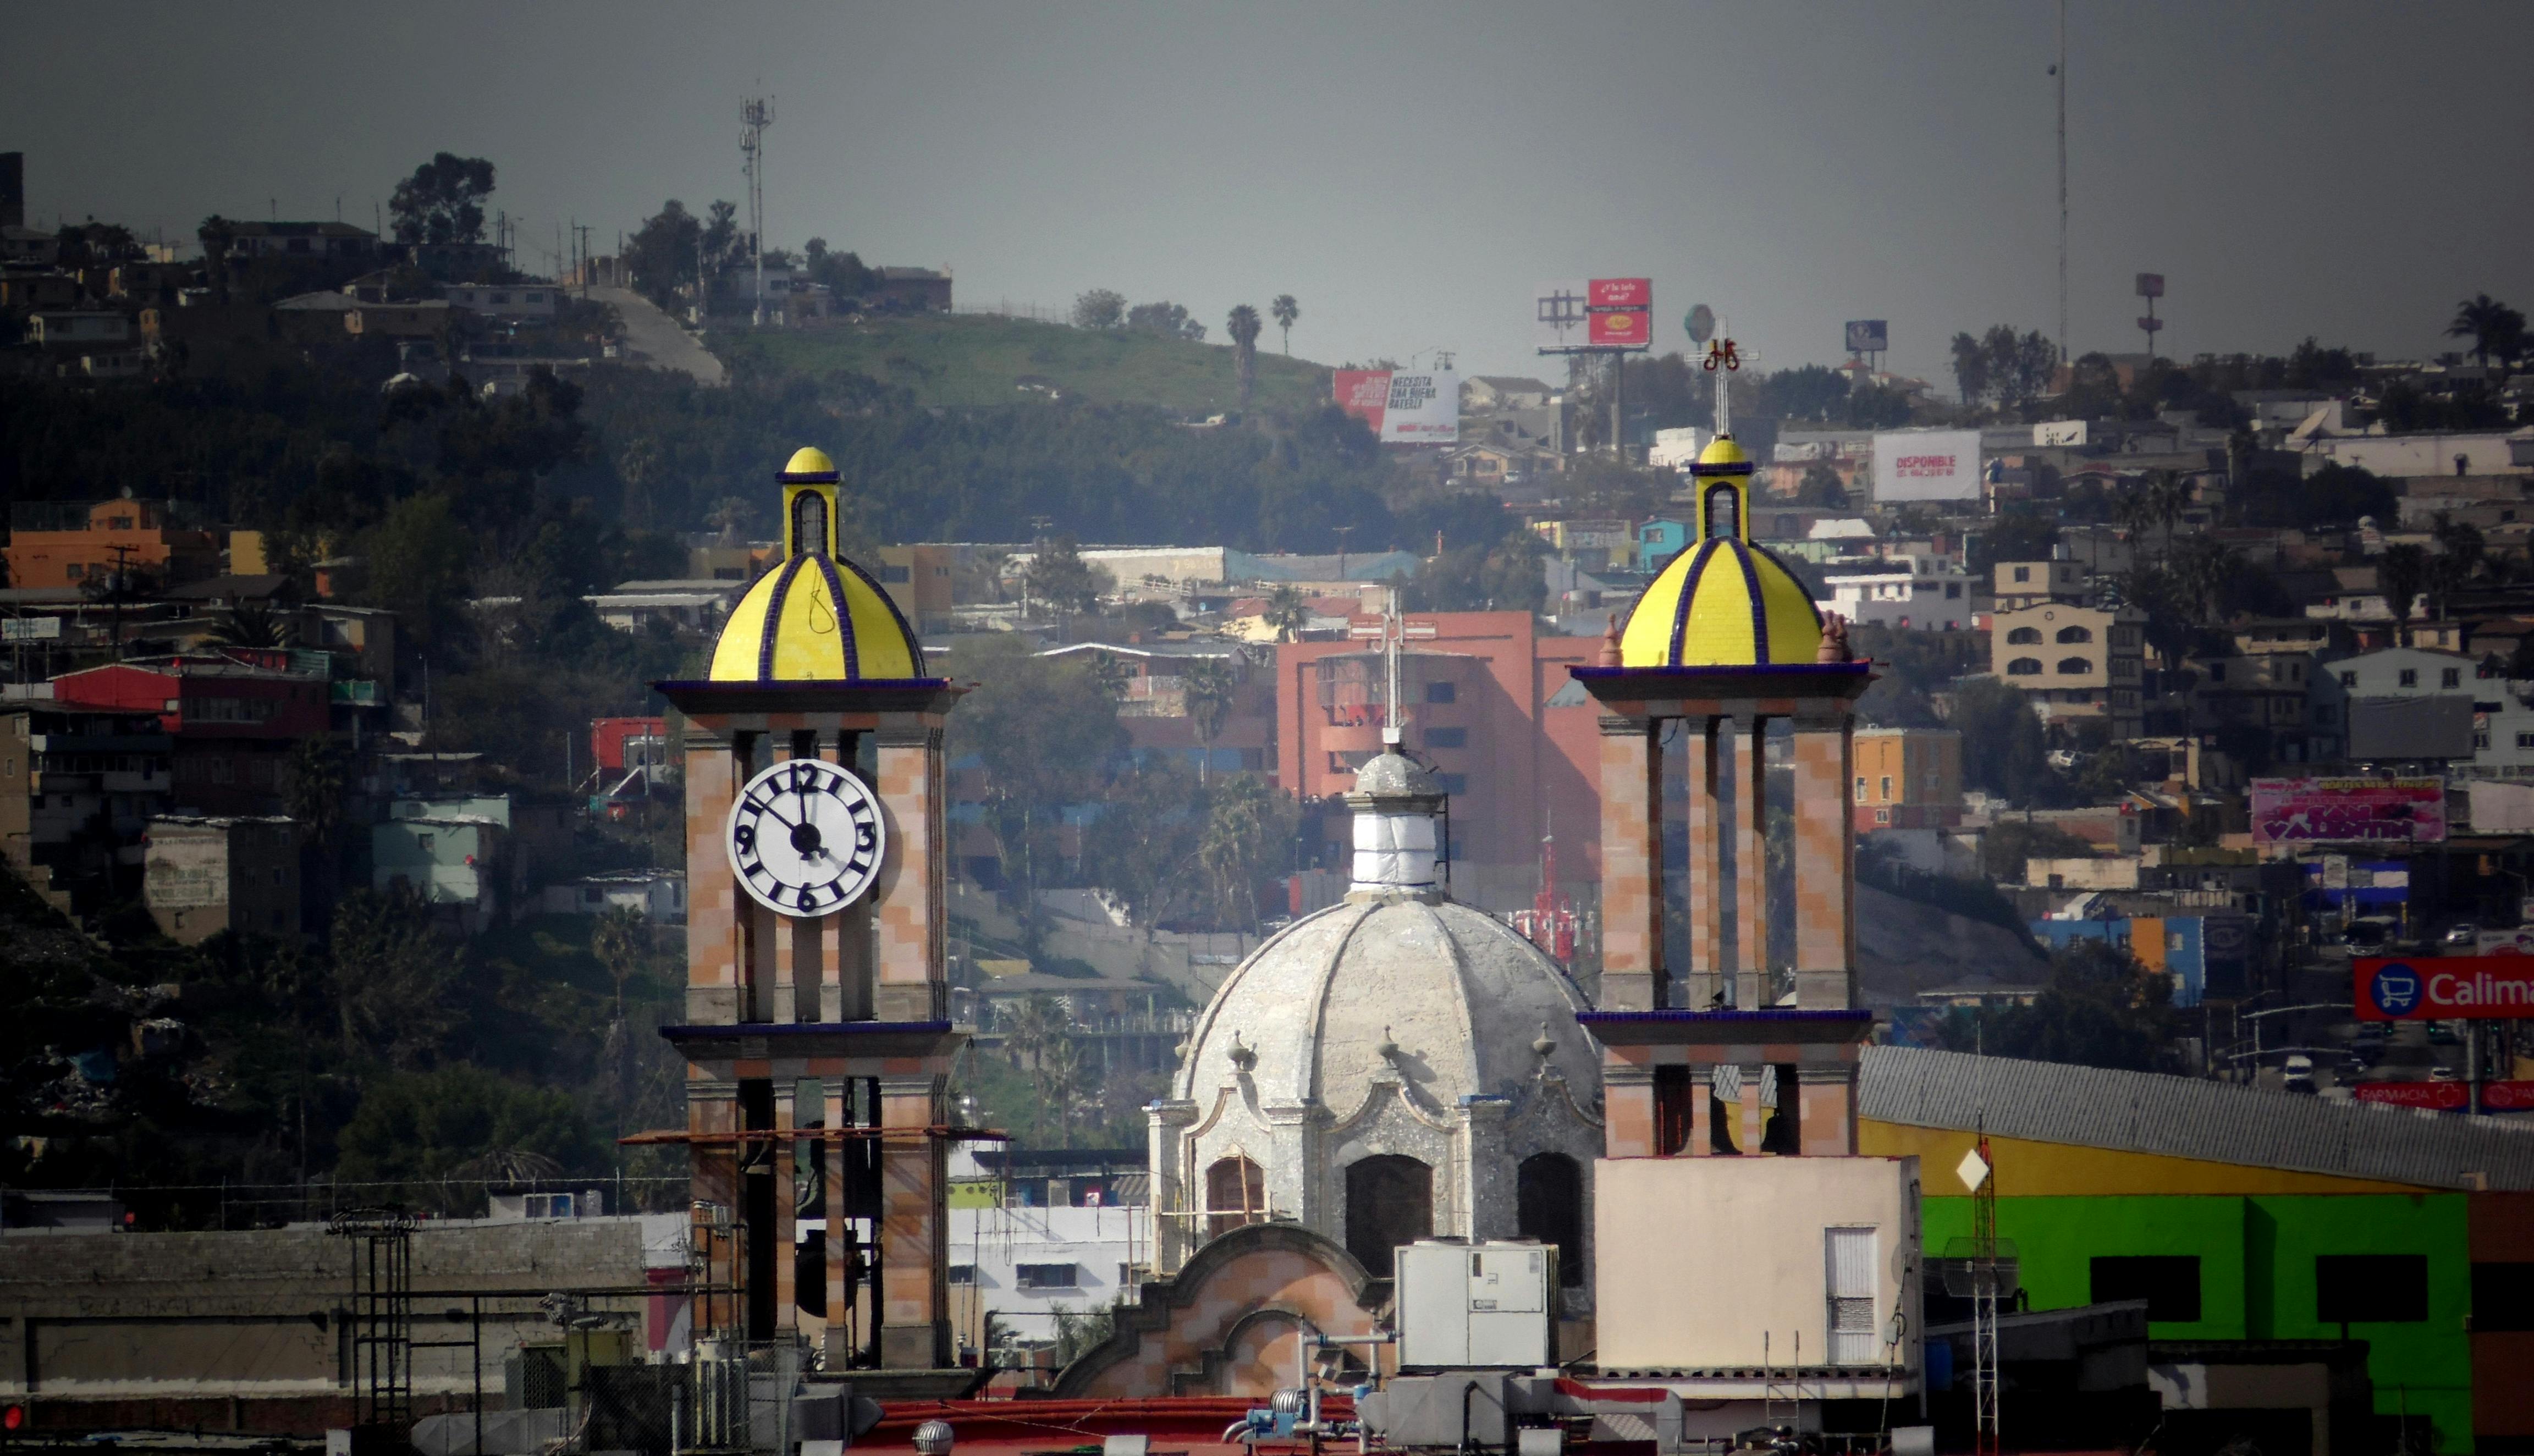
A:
980	359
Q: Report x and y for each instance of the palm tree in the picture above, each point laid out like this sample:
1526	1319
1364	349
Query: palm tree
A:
1288	612
2202	568
618	941
1244	325
1208	684
1286	311
254	625
2401	573
2493	326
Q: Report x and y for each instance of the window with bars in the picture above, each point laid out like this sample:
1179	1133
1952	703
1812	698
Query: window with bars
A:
1850	1257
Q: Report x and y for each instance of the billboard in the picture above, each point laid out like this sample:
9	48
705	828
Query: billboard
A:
2350	811
2444	987
2452	1097
1868	335
1927	465
1403	406
2439	726
1590	316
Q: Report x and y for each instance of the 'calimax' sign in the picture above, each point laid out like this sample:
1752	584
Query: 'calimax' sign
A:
2444	988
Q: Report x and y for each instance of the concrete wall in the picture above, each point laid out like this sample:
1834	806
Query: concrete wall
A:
1700	1258
260	1315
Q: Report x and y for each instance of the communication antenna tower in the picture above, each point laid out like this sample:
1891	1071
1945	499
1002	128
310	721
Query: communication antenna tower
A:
2060	71
754	118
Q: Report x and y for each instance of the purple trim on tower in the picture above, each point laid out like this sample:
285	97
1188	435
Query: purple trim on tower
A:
844	616
774	619
1758	604
1689	595
914	644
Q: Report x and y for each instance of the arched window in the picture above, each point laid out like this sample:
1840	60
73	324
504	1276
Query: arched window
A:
2069	667
1390	1201
2076	635
1724	512
810	523
1235	1193
2024	634
1548	1205
2023	667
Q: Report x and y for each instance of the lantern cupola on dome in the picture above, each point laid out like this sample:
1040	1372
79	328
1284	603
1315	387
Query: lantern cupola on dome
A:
1723	601
814	617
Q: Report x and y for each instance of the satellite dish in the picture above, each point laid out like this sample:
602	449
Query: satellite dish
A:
1701	324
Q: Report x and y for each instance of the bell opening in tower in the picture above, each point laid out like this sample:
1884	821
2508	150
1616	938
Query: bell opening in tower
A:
1724	512
810	523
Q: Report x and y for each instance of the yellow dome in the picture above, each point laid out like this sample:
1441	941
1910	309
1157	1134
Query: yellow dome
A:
1723	601
789	629
810	465
815	617
1720	451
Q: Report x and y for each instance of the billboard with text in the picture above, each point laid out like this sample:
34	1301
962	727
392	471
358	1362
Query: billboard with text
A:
1403	406
1582	316
1927	465
2349	811
2444	987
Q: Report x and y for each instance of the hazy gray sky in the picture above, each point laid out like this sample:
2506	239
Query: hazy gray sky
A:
1408	171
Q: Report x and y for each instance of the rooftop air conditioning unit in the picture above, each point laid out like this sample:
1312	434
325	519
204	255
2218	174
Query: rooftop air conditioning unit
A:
1464	1305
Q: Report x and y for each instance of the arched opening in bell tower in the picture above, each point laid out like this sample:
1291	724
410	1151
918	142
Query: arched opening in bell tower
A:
810	523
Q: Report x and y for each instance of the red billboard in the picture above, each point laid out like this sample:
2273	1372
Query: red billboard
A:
2444	988
1620	327
1592	316
2449	1097
2349	811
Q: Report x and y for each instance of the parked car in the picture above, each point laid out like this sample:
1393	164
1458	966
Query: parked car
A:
2370	933
2442	1034
2463	933
2296	1073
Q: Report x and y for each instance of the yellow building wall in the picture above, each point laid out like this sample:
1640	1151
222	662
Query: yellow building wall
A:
2042	1170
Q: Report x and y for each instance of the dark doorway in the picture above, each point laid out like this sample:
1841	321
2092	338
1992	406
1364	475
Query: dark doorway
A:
1390	1201
1548	1205
1235	1193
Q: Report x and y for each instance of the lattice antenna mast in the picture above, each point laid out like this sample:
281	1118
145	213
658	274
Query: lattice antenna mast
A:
755	117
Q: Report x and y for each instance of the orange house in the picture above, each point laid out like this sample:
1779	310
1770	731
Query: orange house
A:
72	549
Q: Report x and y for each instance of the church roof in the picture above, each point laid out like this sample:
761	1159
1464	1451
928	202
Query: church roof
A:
817	616
1723	601
1456	998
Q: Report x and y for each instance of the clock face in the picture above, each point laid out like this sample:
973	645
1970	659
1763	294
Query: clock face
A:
806	838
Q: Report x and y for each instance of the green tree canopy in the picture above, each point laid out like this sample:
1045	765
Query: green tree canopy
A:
443	201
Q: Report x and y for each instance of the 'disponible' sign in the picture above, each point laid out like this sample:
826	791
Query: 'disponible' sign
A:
1926	466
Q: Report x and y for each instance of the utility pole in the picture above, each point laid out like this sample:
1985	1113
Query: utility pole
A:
755	117
584	230
2061	72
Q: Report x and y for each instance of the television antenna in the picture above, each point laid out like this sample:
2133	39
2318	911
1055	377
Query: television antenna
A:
754	118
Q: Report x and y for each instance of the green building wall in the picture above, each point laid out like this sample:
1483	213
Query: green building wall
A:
2256	1274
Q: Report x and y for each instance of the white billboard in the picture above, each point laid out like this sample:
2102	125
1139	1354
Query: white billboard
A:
2059	433
1926	466
1403	407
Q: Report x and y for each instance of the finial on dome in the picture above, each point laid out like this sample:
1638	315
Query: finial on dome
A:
1242	1058
1388	1049
1547	1044
1610	644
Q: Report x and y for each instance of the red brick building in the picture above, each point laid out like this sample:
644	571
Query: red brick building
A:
1488	700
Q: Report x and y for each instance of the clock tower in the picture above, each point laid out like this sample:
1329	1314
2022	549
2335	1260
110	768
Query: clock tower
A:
816	1033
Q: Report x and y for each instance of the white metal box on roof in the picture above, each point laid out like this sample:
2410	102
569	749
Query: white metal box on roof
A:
1464	1305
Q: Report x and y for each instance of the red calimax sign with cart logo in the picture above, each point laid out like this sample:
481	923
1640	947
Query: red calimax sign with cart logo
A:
2444	987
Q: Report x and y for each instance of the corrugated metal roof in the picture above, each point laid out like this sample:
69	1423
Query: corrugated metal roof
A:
2184	1117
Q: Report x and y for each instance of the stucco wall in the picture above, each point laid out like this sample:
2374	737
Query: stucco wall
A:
1700	1258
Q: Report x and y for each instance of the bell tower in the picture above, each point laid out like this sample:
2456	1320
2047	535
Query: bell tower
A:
817	1032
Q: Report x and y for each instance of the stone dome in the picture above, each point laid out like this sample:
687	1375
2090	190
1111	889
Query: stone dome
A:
1424	992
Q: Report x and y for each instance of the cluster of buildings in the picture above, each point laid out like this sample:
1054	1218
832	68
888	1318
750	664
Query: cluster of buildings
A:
1458	1198
164	690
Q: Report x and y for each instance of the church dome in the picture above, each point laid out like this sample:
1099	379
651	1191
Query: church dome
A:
1432	994
815	617
1723	601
